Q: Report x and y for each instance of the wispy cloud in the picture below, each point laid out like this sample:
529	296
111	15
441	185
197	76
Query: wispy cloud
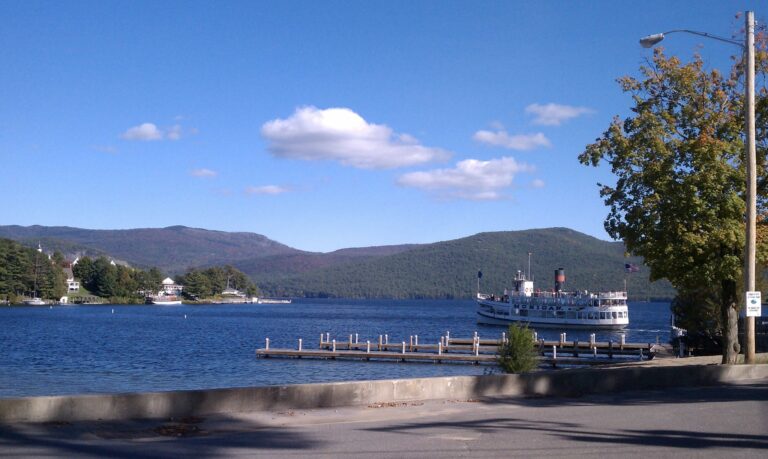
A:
204	173
340	134
150	132
555	114
266	189
106	149
470	179
501	138
537	183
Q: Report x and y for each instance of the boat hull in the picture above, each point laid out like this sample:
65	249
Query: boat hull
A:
544	323
166	303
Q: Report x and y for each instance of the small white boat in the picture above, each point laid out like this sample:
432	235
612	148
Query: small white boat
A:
274	301
166	301
34	302
555	308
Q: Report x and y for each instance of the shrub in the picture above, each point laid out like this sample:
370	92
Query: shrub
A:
517	354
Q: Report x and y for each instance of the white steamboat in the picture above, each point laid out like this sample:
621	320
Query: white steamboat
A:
555	308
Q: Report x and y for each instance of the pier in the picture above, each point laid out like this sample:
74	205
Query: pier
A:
472	350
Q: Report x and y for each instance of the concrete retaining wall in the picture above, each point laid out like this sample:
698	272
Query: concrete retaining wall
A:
565	383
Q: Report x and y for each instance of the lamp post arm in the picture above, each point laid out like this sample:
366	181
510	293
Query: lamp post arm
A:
707	35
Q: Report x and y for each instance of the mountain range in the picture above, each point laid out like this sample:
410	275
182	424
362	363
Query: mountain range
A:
447	269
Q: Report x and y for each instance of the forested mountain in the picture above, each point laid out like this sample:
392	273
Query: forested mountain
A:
449	269
440	270
173	250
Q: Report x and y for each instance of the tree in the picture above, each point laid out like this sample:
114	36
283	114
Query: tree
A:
517	353
678	200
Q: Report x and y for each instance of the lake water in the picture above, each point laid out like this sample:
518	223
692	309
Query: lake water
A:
111	349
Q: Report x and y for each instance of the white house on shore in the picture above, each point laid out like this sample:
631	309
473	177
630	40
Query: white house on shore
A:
170	287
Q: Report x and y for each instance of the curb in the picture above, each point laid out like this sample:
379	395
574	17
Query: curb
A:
563	383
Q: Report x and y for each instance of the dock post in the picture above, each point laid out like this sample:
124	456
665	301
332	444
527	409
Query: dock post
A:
356	339
477	347
410	344
622	338
334	346
350	342
504	337
594	352
368	347
440	347
386	339
299	344
554	356
321	340
641	354
447	338
416	339
380	341
327	337
592	340
576	348
267	343
535	336
403	347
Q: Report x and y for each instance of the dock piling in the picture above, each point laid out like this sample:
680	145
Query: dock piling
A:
267	344
299	344
333	349
368	347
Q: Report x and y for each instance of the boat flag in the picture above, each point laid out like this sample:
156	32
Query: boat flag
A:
631	268
479	274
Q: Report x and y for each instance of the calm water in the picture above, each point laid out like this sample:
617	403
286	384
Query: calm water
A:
91	349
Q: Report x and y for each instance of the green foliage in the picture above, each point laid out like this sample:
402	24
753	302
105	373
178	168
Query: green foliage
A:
517	354
210	282
120	283
26	272
678	200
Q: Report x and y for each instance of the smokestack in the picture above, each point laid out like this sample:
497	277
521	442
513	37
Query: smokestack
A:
559	279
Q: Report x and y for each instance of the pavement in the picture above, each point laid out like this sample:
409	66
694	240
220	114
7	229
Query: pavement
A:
715	421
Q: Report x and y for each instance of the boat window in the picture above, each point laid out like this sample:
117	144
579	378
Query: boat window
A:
615	316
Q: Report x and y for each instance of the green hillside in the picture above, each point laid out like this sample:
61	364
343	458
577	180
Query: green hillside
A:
449	269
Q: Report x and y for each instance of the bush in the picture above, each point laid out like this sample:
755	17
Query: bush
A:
518	354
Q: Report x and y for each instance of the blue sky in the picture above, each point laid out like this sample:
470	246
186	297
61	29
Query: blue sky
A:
323	125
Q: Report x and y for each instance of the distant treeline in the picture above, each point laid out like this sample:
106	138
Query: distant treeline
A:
210	282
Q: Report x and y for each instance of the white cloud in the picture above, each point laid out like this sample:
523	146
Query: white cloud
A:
203	173
501	138
150	131
146	131
470	179
555	114
266	189
537	183
340	134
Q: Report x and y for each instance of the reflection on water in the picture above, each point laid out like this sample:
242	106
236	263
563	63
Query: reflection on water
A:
90	349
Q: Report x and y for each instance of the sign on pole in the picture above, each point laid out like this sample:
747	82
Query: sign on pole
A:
753	304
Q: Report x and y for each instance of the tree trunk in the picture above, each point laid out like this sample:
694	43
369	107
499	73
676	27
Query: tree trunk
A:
730	314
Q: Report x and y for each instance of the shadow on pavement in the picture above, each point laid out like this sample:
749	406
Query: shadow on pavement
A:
146	438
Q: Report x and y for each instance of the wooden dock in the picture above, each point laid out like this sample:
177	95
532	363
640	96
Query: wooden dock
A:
463	350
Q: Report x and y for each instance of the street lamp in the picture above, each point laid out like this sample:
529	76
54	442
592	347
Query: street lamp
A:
749	107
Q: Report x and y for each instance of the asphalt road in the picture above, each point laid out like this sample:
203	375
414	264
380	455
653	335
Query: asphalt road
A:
725	421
